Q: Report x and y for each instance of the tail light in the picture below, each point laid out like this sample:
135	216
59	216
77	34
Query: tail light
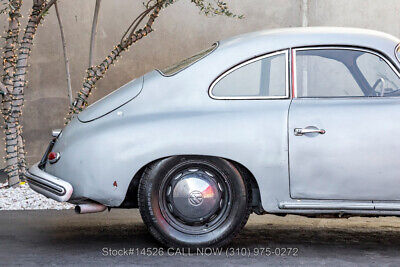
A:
53	157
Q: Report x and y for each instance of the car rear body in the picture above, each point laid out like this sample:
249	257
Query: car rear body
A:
103	148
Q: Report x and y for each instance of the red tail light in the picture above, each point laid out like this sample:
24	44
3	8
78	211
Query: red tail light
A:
53	157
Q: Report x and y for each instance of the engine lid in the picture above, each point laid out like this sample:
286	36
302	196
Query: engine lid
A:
112	101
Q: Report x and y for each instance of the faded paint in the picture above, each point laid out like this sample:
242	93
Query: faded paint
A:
180	32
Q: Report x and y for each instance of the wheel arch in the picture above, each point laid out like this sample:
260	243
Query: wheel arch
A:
131	200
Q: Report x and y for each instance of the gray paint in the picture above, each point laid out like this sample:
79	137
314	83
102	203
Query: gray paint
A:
358	156
113	101
175	116
180	31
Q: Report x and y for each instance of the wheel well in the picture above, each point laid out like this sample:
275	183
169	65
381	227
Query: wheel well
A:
255	190
131	200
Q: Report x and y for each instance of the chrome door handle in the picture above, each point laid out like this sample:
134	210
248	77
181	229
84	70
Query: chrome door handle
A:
301	131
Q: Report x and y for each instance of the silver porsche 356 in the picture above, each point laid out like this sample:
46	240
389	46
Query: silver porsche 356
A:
293	121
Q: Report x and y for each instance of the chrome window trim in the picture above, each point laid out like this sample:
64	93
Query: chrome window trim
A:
247	62
294	75
395	52
381	56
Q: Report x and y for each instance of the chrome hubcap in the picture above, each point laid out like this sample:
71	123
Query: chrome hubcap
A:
194	196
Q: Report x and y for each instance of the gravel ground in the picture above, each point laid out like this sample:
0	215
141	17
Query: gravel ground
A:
24	198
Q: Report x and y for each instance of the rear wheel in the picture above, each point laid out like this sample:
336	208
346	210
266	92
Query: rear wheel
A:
193	201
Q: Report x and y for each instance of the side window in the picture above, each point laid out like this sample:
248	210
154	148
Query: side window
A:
343	73
260	78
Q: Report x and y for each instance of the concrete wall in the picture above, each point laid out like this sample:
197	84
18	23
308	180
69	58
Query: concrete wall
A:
180	32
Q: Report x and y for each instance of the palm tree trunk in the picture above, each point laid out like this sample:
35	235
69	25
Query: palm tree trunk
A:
9	63
15	144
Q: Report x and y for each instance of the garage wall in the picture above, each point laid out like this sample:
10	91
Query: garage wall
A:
381	15
180	32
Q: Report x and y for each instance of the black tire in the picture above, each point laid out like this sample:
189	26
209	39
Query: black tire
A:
233	208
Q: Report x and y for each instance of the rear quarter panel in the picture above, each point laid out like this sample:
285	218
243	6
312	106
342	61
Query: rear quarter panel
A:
175	116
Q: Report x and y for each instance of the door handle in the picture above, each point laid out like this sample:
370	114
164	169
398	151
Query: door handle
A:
301	131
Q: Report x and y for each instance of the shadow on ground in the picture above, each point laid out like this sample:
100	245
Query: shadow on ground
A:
61	237
136	235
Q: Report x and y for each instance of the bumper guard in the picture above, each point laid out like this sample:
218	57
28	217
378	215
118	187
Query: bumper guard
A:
48	185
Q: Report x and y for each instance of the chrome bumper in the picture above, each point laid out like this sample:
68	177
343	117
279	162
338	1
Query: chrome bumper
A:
48	185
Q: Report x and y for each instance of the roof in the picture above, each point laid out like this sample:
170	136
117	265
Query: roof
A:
314	33
273	40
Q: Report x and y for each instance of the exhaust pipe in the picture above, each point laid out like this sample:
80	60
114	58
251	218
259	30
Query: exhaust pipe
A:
89	208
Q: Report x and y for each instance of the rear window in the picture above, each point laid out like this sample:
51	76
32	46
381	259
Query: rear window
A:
262	77
171	70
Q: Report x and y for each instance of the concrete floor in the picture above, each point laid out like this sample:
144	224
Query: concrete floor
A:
63	238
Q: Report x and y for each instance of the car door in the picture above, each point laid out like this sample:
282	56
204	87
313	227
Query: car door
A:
344	130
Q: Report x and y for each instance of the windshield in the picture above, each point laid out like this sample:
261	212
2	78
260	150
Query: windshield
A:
376	70
171	70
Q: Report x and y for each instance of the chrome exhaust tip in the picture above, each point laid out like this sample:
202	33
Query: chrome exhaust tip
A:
89	208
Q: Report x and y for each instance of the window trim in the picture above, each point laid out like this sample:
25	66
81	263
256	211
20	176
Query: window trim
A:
247	62
366	50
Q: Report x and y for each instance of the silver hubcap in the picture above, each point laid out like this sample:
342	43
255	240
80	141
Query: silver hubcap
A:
194	196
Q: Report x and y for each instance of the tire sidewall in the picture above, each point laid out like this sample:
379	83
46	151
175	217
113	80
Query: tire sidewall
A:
237	212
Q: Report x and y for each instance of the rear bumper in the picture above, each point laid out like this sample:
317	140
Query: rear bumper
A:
48	185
